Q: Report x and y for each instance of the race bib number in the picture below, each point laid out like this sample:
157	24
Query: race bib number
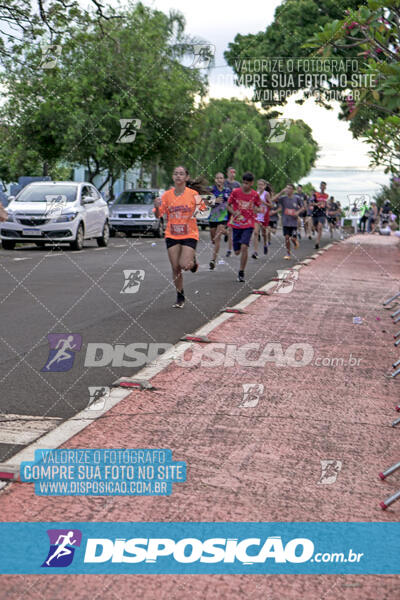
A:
179	229
290	212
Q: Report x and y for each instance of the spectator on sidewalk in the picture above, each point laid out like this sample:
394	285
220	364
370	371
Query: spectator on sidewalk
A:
363	216
385	210
385	229
372	217
393	222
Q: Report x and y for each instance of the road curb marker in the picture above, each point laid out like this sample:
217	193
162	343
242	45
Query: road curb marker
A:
237	311
384	505
391	299
126	382
191	337
9	472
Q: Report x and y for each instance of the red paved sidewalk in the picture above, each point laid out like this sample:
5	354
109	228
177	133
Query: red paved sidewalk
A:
259	463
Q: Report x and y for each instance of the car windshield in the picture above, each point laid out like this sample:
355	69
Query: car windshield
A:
38	193
136	198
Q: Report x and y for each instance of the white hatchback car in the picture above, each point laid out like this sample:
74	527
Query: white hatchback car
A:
56	212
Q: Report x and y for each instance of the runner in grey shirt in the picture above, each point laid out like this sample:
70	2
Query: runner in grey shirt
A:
291	206
230	181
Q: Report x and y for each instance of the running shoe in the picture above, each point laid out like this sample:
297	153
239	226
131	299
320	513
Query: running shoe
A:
254	255
212	265
228	253
287	257
195	265
265	249
296	243
241	276
316	246
180	300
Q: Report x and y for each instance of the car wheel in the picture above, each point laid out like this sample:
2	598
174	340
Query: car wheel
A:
129	234
77	244
102	241
40	244
112	232
8	244
203	227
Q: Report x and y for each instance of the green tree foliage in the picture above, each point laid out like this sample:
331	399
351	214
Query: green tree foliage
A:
294	23
233	132
374	32
72	112
390	192
20	19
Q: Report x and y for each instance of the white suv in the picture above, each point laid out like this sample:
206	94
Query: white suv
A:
56	211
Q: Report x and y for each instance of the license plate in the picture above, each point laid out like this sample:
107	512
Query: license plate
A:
31	232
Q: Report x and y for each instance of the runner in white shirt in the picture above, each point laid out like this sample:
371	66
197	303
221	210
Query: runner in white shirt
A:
259	226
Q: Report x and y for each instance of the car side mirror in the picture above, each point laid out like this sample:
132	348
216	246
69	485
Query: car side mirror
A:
87	200
10	199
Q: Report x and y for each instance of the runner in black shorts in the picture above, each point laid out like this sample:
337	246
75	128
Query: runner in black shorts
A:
243	205
181	234
319	211
219	215
291	206
333	211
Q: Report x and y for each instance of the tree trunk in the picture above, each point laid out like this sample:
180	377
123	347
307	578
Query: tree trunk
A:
45	168
154	175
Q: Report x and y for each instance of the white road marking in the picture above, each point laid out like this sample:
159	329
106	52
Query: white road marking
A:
23	429
25	258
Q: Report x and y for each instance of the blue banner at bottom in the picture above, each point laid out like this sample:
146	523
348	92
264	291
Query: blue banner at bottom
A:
200	548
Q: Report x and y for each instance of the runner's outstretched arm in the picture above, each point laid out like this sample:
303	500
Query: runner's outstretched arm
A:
278	194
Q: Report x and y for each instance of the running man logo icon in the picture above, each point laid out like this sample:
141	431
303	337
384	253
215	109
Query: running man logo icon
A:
330	470
278	130
129	129
54	205
98	397
63	543
288	279
133	280
203	54
251	394
50	56
62	352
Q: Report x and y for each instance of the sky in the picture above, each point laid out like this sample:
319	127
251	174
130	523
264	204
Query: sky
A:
217	22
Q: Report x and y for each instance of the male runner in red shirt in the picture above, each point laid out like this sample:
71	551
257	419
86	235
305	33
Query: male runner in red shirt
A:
242	205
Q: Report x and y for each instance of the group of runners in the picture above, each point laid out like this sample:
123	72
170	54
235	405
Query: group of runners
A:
239	214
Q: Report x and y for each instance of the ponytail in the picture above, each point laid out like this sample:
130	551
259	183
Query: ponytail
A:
199	185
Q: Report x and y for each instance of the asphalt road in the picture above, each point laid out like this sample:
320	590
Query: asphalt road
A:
46	292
